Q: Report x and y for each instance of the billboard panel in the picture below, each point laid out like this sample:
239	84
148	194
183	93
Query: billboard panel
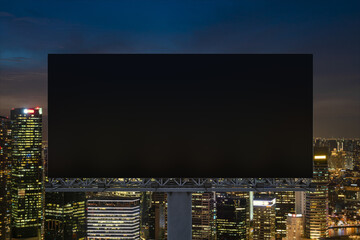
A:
180	115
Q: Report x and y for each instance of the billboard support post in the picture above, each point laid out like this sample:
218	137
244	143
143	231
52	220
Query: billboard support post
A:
179	216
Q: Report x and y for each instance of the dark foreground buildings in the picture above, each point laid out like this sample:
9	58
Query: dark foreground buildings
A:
232	216
65	216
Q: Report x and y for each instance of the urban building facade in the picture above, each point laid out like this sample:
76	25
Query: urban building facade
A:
203	224
27	189
294	226
65	216
232	216
264	218
4	177
157	216
300	202
316	213
285	204
111	216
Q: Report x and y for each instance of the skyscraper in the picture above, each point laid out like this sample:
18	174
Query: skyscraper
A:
111	216
300	203
316	213
232	216
4	176
65	216
203	223
294	226
26	172
285	204
54	215
157	216
264	218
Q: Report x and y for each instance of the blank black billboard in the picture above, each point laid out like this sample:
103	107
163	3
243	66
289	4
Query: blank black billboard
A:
180	115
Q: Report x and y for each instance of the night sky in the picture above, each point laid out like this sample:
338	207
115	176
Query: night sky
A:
330	30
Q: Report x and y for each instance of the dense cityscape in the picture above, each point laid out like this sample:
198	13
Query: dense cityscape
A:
329	211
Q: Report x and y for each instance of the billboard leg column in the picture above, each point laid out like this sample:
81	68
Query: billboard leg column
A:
179	216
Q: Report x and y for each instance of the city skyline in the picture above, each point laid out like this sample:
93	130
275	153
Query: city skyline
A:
191	203
326	29
330	211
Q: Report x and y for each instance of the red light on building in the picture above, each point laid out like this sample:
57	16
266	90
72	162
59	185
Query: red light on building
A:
26	111
37	108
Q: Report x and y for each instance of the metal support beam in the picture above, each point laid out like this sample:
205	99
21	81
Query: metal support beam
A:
178	184
179	216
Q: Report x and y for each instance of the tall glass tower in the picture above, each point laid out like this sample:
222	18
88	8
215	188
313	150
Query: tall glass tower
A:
285	204
26	173
203	215
4	176
232	216
264	218
316	213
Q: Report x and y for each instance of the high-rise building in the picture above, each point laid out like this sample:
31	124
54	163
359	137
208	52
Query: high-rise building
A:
113	216
145	222
4	177
285	204
316	213
65	216
157	216
203	224
26	173
300	203
264	218
337	159
232	216
54	216
294	226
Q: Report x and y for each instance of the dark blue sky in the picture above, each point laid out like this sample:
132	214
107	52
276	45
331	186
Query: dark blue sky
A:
29	30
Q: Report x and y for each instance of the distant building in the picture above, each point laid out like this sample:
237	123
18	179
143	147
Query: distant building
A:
264	218
232	216
294	226
111	216
300	203
4	177
337	159
65	216
26	173
54	216
349	161
157	216
316	213
285	204
203	224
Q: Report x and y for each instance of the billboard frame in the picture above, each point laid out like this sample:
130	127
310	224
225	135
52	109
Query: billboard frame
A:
178	184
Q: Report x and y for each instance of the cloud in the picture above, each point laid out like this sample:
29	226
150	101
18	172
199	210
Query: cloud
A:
6	14
15	59
32	20
27	19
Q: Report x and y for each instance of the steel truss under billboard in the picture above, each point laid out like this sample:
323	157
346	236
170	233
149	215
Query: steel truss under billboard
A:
178	184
